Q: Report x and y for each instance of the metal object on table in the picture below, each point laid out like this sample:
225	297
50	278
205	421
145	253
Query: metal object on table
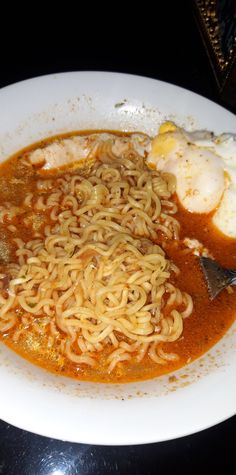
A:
216	20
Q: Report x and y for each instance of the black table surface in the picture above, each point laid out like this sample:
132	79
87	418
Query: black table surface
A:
170	49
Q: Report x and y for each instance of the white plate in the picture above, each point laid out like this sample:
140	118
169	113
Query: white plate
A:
200	395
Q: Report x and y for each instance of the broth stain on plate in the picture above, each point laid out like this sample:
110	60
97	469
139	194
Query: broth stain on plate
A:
159	387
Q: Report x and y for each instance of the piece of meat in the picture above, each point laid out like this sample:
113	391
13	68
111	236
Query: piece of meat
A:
66	152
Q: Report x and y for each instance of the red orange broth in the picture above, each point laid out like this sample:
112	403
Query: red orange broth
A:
205	326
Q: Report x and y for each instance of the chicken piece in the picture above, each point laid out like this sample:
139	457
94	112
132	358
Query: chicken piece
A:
197	246
66	152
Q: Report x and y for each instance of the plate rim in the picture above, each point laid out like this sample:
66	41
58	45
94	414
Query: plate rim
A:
106	440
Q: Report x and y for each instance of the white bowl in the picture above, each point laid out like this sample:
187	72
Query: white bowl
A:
201	394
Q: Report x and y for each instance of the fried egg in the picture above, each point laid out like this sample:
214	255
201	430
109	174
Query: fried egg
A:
205	169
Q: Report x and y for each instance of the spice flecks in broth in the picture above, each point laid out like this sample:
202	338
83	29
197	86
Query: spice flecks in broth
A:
133	304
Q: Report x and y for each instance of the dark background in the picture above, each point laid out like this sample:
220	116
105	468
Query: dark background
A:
159	41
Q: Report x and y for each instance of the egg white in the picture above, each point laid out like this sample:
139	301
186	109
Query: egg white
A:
205	169
199	180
